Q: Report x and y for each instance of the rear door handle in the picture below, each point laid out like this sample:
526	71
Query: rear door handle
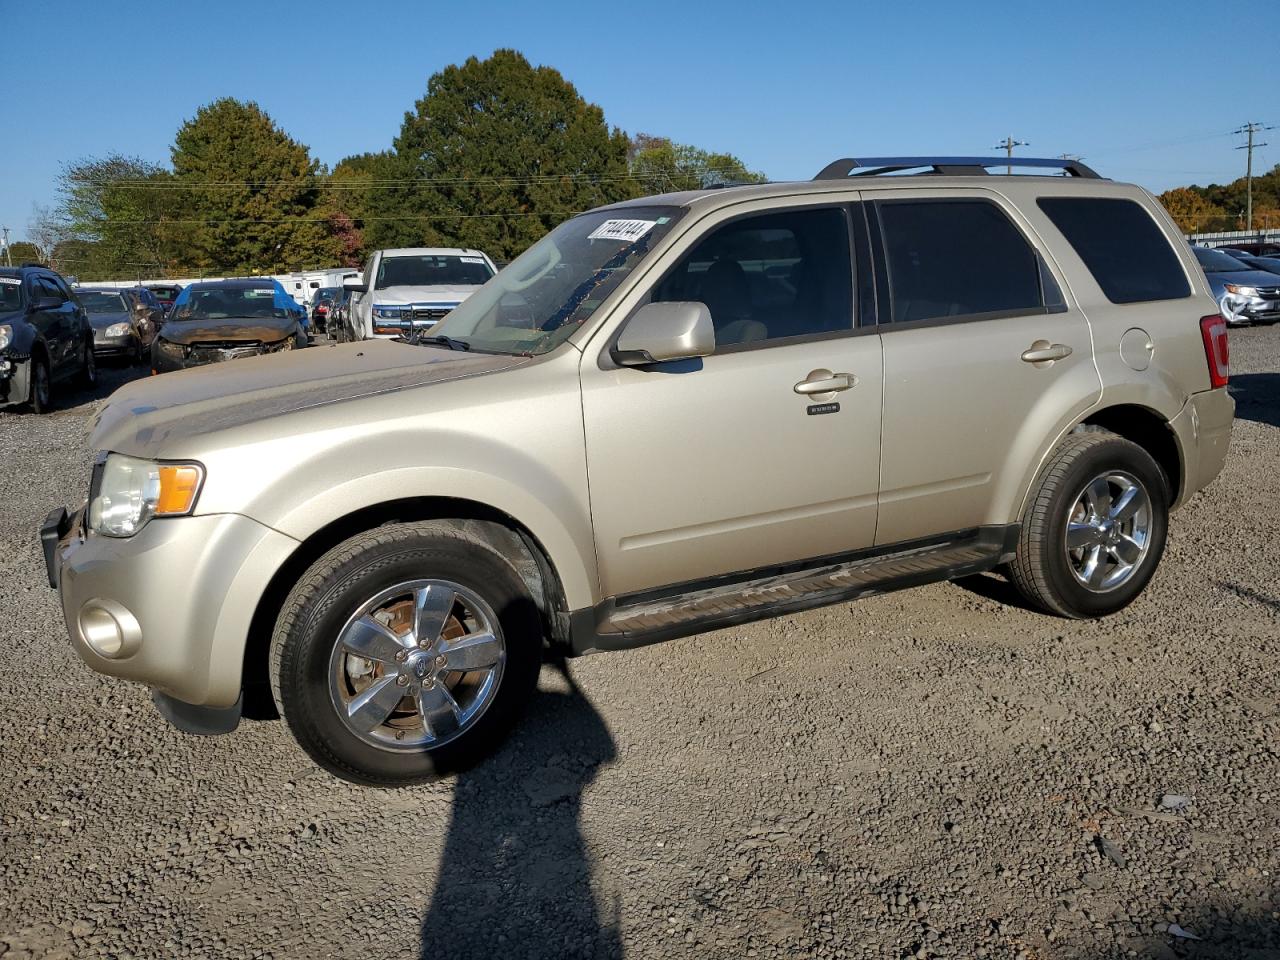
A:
824	381
1044	352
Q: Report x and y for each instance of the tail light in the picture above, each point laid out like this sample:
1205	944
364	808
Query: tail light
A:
1213	330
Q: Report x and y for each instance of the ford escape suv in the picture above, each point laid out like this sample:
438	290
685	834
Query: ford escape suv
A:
667	416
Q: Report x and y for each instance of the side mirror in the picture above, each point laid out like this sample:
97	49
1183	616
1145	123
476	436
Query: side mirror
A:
666	331
355	286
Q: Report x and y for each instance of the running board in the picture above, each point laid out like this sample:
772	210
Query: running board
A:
648	618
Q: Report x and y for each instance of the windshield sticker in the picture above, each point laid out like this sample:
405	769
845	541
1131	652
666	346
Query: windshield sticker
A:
628	231
11	281
472	259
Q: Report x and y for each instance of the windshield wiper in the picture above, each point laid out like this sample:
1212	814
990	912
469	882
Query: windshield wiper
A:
450	342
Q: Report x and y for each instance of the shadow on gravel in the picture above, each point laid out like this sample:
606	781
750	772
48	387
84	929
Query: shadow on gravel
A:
1248	593
1243	932
111	377
1257	397
515	876
994	587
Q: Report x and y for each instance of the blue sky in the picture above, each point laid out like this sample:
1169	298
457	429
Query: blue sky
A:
1145	91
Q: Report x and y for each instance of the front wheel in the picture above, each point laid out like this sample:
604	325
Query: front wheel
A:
41	395
405	653
1094	528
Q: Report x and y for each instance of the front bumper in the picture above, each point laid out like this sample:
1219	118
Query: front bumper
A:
115	346
1203	428
15	379
182	592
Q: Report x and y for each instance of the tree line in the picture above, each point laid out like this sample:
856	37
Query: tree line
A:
1219	208
495	154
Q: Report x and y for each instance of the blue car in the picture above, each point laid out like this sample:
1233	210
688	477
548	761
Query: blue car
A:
1244	295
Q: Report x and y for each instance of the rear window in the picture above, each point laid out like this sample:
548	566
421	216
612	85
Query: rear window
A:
1127	253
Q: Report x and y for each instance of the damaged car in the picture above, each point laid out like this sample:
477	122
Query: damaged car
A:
124	322
45	337
225	320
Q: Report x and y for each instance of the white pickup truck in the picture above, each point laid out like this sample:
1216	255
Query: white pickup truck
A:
412	288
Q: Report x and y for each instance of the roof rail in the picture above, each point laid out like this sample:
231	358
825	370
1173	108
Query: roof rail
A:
947	166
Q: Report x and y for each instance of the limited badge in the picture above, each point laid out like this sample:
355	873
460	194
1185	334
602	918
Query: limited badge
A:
817	409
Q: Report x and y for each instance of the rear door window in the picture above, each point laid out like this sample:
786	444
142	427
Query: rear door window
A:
954	258
1126	251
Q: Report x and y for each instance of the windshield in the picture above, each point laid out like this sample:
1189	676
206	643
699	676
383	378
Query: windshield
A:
165	293
432	270
537	302
325	293
10	293
1215	261
97	302
222	303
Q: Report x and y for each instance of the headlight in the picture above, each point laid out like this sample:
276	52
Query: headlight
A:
1242	291
6	335
132	491
116	330
387	313
170	349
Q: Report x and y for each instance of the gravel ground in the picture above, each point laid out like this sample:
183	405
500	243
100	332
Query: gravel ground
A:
935	773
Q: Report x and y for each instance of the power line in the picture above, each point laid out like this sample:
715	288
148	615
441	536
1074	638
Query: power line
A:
1249	129
357	183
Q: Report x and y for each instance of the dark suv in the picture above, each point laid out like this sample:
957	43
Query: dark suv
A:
45	336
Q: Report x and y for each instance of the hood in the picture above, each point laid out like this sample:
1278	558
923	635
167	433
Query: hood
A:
100	321
429	294
264	329
145	417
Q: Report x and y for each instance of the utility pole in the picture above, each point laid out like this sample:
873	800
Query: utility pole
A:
1007	144
8	261
1249	129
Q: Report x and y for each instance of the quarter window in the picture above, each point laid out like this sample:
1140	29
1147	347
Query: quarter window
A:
957	258
1127	253
770	277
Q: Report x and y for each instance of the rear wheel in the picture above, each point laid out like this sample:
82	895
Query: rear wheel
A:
89	368
405	653
1094	529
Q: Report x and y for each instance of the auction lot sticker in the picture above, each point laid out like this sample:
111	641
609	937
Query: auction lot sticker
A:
628	231
11	281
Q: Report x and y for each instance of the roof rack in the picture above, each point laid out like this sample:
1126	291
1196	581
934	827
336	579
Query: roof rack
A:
946	166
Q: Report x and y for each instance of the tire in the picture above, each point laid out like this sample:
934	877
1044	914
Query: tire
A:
1128	545
316	679
89	369
40	397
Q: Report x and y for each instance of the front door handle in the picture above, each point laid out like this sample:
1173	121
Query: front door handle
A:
824	381
1043	353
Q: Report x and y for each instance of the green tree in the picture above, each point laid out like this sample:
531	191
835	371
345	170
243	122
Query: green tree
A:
252	191
496	153
24	251
659	165
347	196
128	214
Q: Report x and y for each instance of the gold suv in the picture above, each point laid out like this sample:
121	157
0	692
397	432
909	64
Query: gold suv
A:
667	416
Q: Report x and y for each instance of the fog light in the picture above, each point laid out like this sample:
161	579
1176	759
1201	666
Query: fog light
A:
109	629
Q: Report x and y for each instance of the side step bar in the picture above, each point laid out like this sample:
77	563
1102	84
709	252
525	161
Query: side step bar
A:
629	622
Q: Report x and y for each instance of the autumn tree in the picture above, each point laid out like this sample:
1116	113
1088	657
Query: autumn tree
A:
659	165
1191	211
497	153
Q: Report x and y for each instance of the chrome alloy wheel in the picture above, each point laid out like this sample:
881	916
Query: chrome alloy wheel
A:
416	665
1108	531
